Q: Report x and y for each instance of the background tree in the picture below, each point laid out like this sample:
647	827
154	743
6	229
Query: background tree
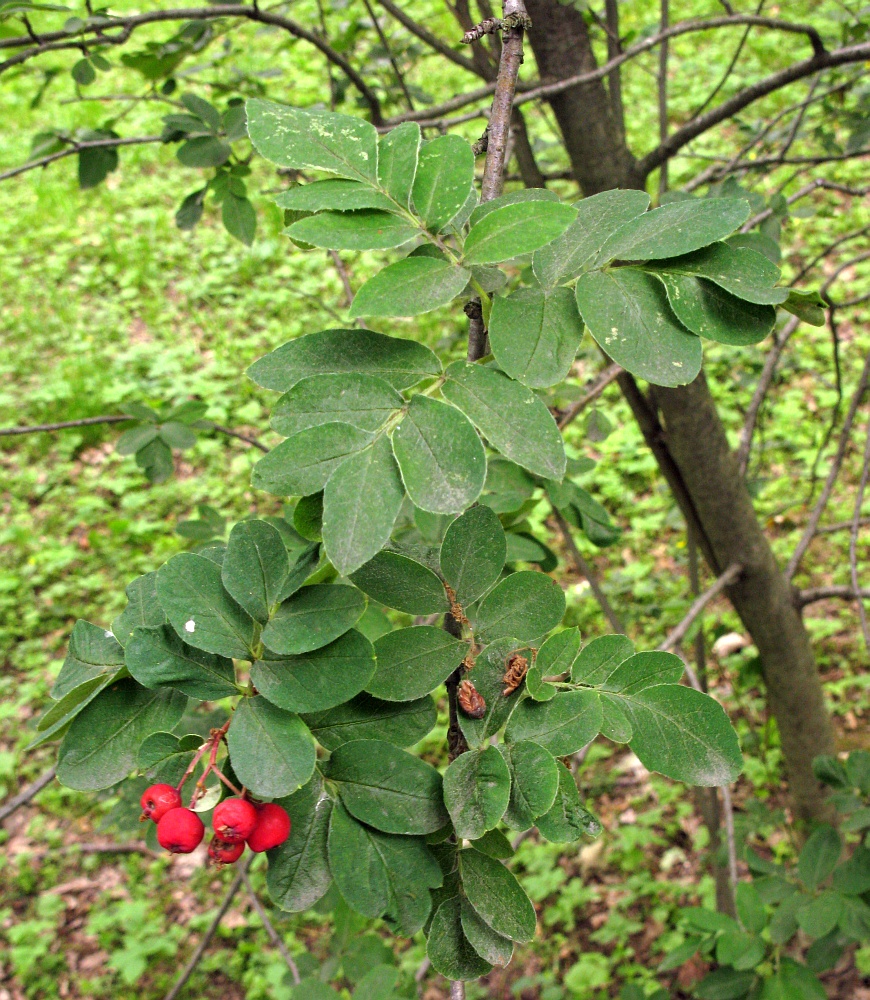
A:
690	445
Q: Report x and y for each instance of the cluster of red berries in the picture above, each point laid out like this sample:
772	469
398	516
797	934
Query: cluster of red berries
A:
235	821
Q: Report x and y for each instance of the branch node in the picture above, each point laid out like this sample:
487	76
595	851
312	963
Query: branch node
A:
492	25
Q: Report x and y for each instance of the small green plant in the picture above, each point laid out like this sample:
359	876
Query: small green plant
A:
793	921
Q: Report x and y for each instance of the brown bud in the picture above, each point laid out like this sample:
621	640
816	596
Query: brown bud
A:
516	668
471	700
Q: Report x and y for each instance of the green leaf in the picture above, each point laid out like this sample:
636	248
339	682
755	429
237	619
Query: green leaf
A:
363	401
204	151
101	744
511	198
199	608
535	335
399	362
53	724
627	313
597	217
312	618
524	605
177	435
744	273
360	505
388	788
298	872
819	856
83	72
511	417
473	553
516	229
300	571
321	679
364	229
711	312
807	306
488	677
743	951
563	725
792	981
445	173
203	110
318	140
255	567
495	844
534	782
559	652
96	164
536	687
675	229
398	151
414	661
165	757
135	439
821	915
750	908
507	486
93	652
497	897
490	945
271	750
682	734
367	718
156	657
401	583
239	218
303	463
477	788
599	658
143	608
440	455
852	877
567	820
332	195
410	287
725	984
382	874
643	670
308	517
449	950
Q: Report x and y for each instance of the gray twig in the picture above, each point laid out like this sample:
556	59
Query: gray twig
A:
64	424
811	595
853	542
196	957
610	374
585	570
26	794
274	936
725	580
833	473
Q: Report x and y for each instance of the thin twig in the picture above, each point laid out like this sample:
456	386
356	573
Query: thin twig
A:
836	464
274	936
853	541
75	148
64	424
426	36
815	185
813	595
725	580
730	839
585	570
457	991
26	794
196	957
663	92
828	529
400	79
764	381
610	374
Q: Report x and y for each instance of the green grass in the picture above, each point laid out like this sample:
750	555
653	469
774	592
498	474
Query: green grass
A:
104	301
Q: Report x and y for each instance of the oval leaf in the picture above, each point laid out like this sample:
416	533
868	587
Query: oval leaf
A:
313	617
414	661
409	287
524	605
402	583
271	751
477	787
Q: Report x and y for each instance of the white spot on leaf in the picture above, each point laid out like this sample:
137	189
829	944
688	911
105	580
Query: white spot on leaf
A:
190	626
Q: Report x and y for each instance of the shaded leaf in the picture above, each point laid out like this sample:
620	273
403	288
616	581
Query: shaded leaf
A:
411	662
271	750
367	718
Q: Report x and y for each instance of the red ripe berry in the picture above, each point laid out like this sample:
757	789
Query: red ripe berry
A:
272	829
223	853
234	820
180	831
157	800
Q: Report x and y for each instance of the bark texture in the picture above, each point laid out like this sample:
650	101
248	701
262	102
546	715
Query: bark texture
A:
691	446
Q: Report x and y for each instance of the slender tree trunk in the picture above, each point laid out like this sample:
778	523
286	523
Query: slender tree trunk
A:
691	447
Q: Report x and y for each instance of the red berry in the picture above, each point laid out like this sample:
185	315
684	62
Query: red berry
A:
234	820
272	829
224	853
180	831
157	800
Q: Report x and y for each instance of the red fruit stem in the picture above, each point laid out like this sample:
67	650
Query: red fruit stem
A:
212	745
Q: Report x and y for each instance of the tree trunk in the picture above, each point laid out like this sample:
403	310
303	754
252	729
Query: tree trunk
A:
692	449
